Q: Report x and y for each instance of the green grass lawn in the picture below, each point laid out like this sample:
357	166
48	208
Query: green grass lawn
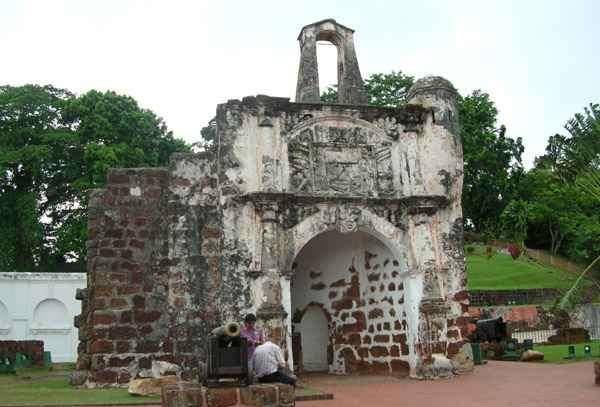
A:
501	272
34	386
557	353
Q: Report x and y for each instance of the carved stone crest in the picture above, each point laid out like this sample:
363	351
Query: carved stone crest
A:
347	161
344	218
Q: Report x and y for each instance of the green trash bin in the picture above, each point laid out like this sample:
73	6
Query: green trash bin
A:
6	365
47	359
22	360
477	356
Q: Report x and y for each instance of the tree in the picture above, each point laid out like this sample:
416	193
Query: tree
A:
492	163
567	196
54	148
34	133
579	150
385	90
514	221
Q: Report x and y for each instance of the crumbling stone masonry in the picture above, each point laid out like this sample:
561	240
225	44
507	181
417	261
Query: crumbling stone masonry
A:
174	252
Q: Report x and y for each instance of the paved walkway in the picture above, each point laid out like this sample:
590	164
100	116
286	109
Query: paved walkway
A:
496	384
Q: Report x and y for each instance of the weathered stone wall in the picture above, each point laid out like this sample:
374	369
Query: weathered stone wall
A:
123	325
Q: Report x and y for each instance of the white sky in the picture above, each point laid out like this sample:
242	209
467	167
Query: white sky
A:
539	60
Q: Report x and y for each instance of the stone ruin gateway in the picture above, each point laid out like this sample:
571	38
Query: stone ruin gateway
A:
338	225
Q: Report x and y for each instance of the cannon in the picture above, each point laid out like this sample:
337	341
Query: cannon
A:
227	358
490	330
229	330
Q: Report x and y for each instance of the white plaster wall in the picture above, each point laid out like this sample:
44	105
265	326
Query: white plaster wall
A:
41	306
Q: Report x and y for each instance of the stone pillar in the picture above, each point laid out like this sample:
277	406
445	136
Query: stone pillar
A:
351	89
429	340
270	308
307	89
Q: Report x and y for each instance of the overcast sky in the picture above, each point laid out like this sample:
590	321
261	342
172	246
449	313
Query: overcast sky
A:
539	60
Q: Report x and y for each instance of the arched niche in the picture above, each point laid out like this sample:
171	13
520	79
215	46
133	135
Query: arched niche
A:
51	314
4	319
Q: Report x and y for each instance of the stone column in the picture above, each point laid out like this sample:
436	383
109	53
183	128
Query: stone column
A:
270	310
429	307
307	89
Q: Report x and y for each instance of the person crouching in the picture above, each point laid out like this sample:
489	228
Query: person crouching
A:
268	364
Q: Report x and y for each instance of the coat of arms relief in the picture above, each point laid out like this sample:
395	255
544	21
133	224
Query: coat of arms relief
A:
340	161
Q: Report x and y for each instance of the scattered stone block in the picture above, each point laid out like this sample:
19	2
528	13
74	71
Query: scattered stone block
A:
150	386
462	362
531	356
161	368
78	377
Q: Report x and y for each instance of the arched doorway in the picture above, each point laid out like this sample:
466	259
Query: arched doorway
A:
347	295
314	340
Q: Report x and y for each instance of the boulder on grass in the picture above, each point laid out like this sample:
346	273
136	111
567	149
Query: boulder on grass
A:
531	356
150	386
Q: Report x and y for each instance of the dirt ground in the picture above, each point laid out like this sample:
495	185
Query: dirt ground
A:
496	384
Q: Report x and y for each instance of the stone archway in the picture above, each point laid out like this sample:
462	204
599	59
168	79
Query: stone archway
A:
354	282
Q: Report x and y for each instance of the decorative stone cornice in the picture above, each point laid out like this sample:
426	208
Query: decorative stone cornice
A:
415	203
267	312
43	276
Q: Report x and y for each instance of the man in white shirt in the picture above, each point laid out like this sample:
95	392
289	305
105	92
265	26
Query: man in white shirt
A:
267	363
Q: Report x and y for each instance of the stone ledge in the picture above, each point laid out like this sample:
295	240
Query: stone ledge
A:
186	394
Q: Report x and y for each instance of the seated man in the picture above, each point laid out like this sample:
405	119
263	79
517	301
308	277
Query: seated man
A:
268	362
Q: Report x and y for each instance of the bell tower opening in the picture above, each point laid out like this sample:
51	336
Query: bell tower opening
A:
327	64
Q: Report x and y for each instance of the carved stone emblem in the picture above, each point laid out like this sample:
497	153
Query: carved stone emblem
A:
348	161
344	218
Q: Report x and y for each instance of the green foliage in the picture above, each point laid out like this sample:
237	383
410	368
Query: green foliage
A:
388	90
54	147
330	95
580	150
514	220
385	90
492	163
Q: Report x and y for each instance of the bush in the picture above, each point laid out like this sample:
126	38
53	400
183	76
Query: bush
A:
489	252
470	249
514	250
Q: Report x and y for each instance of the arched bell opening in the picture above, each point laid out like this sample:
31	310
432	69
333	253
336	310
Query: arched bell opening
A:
347	301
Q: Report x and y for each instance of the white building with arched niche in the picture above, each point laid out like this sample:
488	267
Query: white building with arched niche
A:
41	306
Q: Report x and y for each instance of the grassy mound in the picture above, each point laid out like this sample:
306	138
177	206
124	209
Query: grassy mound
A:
501	272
